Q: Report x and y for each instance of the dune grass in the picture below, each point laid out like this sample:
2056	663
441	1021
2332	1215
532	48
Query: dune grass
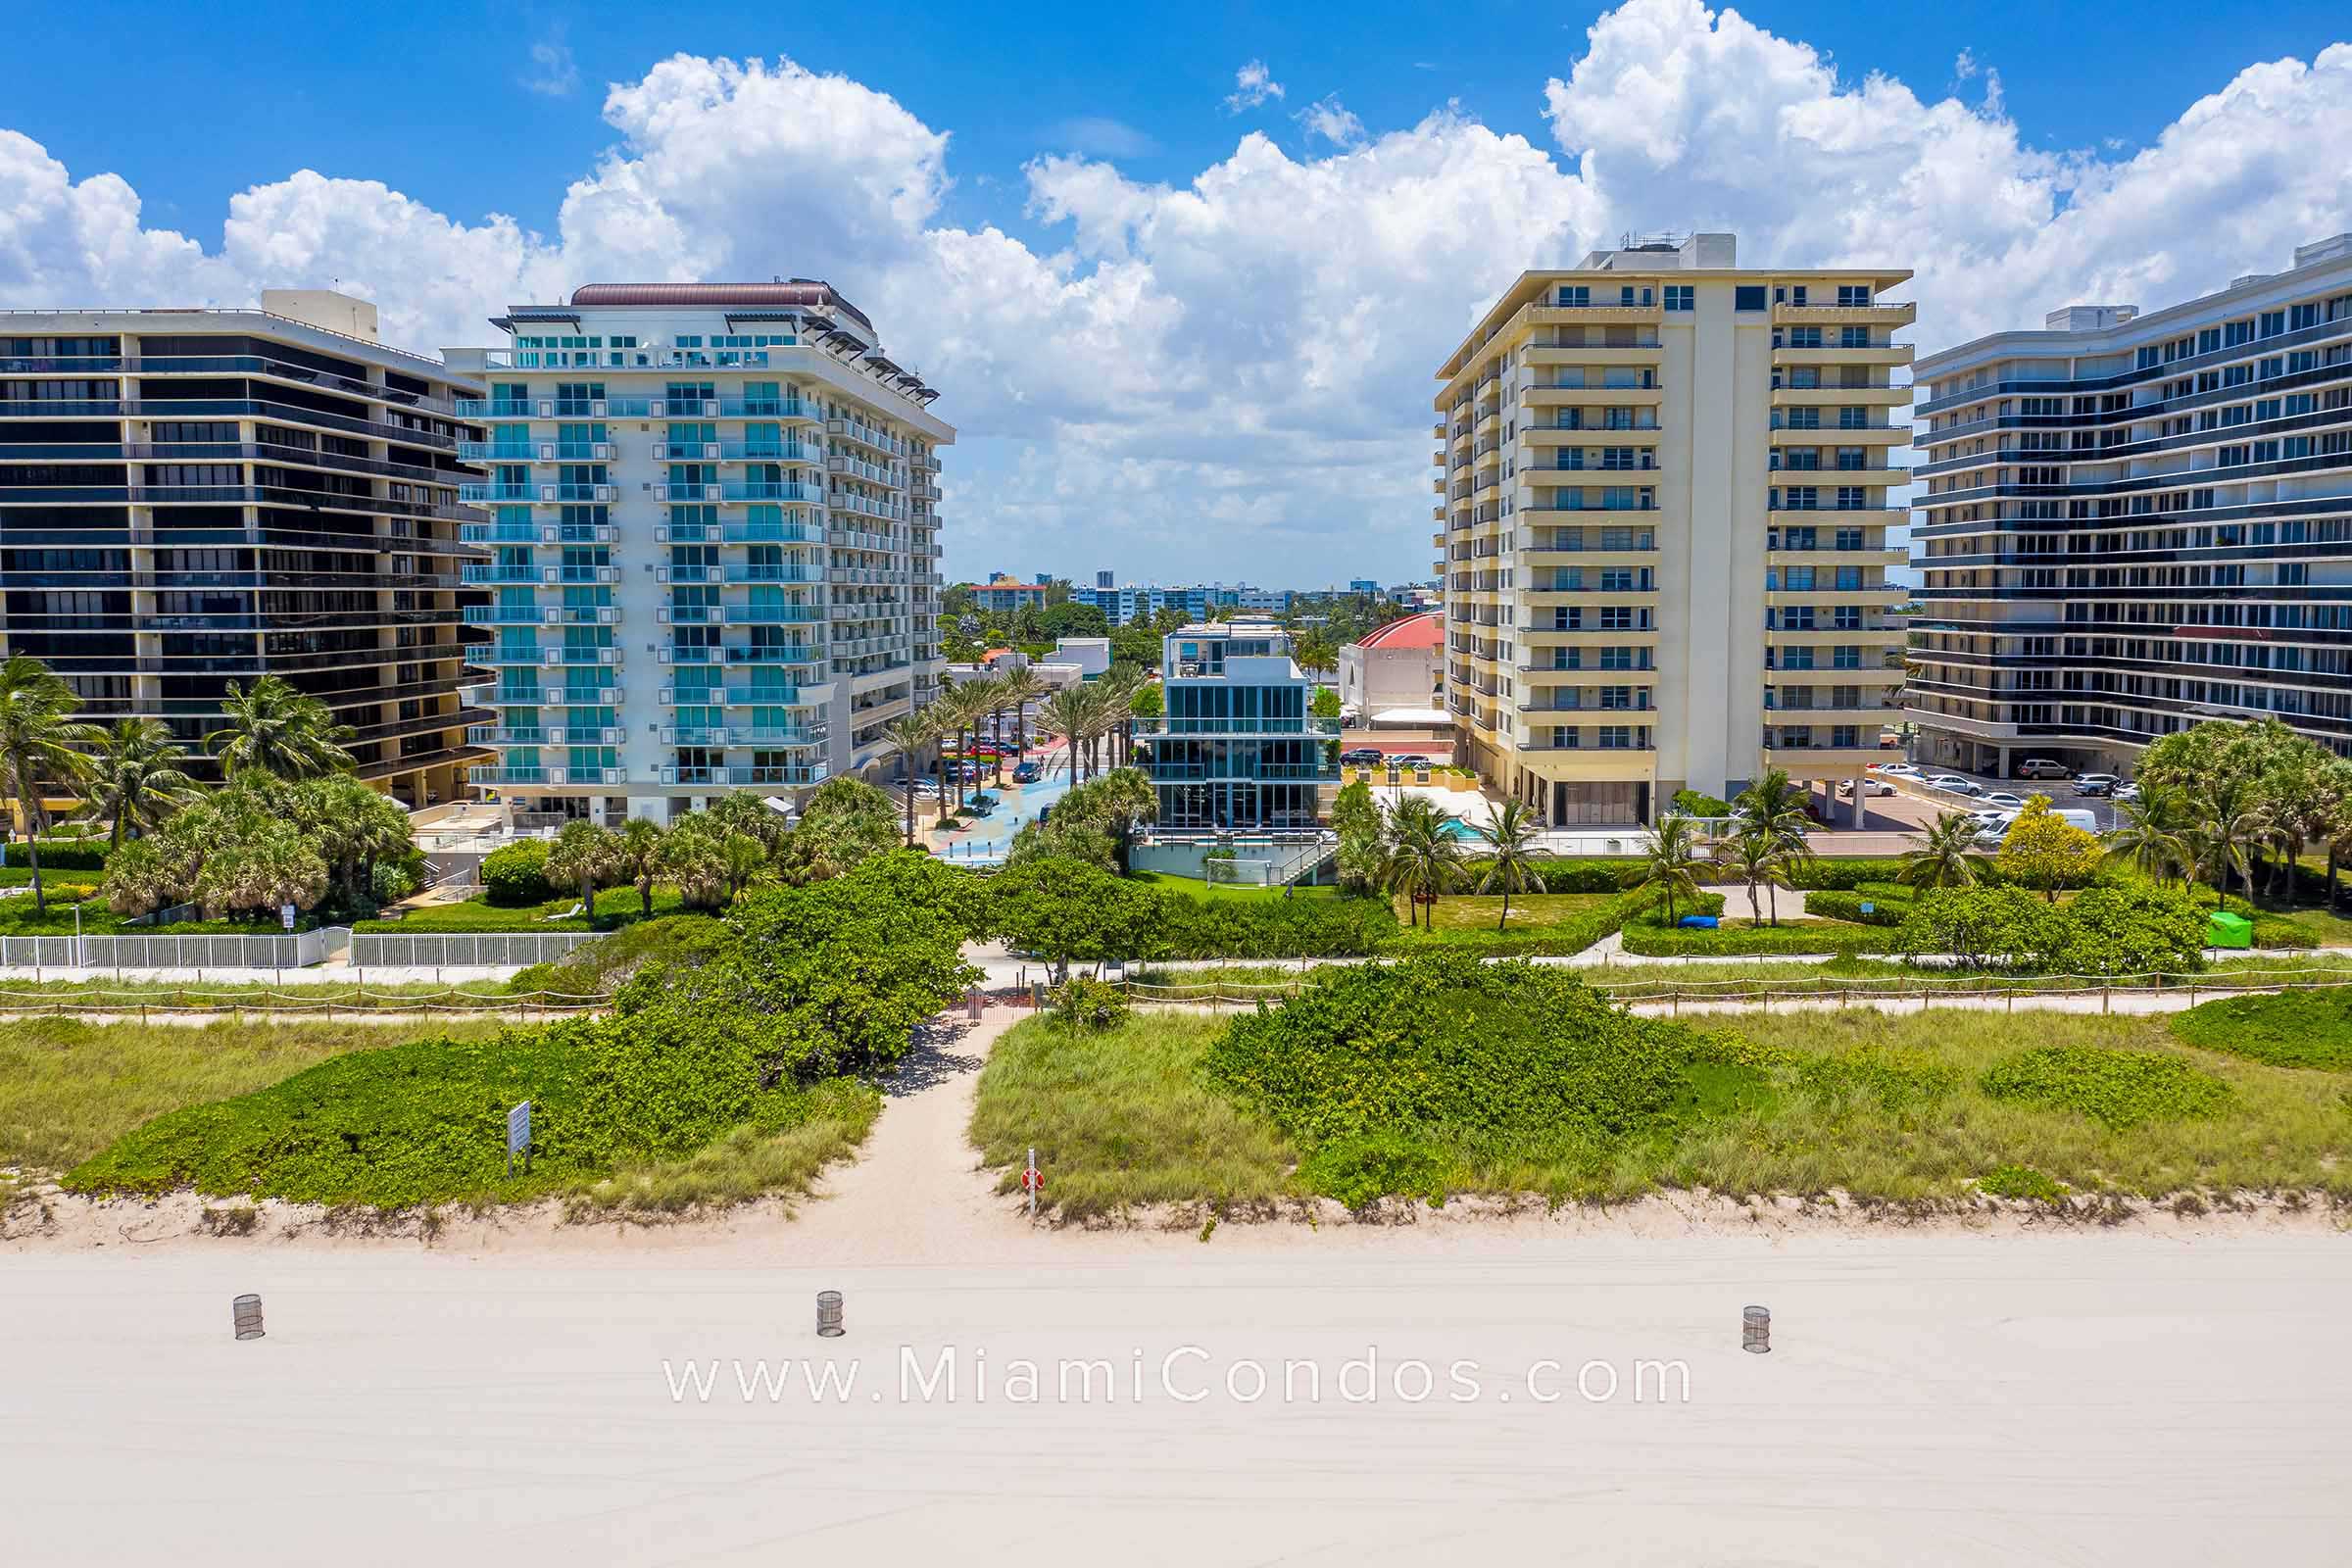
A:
746	1163
1122	1117
68	1089
1884	1107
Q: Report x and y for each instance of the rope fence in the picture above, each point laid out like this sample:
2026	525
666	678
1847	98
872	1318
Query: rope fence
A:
330	1004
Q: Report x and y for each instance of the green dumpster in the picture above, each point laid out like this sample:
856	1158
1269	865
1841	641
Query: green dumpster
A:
2229	931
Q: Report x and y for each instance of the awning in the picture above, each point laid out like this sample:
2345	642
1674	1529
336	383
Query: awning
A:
1431	716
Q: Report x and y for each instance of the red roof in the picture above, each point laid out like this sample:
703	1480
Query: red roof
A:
1424	630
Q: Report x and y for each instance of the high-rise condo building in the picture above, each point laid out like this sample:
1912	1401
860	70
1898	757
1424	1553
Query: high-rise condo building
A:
715	518
1662	514
2133	523
194	497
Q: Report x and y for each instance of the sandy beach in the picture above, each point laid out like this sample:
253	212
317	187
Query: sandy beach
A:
1961	1391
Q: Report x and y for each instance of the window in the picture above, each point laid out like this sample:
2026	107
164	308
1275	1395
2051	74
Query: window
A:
1851	295
1577	294
1748	297
1853	337
1680	297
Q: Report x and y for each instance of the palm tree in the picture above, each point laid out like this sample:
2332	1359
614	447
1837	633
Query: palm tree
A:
1776	808
1424	856
2229	824
135	780
41	744
2147	836
1069	714
1019	689
1510	837
1670	860
1755	857
584	854
1125	798
1948	857
1118	689
907	735
637	856
280	731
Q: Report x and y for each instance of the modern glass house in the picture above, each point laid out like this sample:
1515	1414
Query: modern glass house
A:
1237	749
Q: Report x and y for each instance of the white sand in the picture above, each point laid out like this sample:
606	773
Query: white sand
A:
1934	1395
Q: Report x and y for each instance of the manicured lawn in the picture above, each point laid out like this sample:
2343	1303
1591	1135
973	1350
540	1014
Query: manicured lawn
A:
614	906
1897	1108
1481	911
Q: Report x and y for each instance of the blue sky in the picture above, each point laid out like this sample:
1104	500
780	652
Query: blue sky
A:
1214	356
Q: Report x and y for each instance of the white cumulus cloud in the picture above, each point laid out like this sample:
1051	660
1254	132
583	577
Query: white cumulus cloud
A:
1253	85
1230	374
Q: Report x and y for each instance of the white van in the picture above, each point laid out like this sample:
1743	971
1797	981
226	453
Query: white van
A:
1997	824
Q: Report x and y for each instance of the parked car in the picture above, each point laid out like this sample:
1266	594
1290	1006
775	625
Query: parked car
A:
2006	799
1410	760
1870	787
1894	769
2095	783
1025	774
1364	757
2126	792
2042	767
1954	784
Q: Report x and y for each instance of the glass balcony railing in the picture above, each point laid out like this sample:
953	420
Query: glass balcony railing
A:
774	573
758	533
482	494
767	490
493	408
500	573
810	773
768	451
505	616
773	614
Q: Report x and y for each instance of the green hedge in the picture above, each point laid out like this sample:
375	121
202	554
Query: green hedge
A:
1798	937
1885	908
61	855
1275	928
515	876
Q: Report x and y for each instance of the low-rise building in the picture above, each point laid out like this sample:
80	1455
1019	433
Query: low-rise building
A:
1400	666
1237	749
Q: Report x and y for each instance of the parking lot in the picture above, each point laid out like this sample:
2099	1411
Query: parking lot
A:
2060	791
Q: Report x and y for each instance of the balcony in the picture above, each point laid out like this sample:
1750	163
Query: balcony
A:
773	573
762	490
1888	317
557	657
767	452
746	735
743	777
492	494
513	615
496	452
506	777
495	408
474	575
773	614
1237	726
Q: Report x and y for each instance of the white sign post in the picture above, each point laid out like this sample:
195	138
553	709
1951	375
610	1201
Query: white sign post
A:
518	1136
285	915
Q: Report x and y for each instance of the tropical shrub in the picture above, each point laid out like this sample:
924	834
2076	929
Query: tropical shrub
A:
1272	928
515	875
1090	1004
2291	1029
2113	1088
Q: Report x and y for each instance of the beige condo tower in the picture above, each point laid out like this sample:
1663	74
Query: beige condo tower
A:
1662	511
